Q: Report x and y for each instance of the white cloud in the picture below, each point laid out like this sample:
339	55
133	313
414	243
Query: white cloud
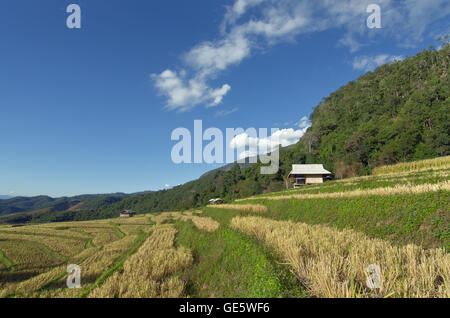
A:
273	21
255	145
217	94
369	63
167	185
210	57
252	146
304	123
183	94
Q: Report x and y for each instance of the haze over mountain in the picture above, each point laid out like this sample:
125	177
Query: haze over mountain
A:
36	205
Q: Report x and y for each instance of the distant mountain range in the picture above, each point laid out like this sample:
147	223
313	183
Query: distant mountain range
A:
39	204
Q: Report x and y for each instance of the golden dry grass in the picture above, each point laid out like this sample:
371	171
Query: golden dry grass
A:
164	216
241	207
91	268
97	263
433	164
398	189
333	263
102	233
405	175
205	223
202	223
28	255
64	246
84	254
136	220
29	259
45	231
25	287
41	253
129	229
147	273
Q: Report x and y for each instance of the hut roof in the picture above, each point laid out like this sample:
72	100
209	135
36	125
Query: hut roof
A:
309	169
128	212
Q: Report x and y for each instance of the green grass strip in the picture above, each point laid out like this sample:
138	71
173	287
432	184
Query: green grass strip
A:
228	263
116	228
9	265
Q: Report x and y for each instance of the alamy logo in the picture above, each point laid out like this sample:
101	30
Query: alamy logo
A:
374	20
248	145
74	277
74	19
374	279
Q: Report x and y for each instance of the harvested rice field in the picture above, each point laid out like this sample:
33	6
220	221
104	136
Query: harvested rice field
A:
380	236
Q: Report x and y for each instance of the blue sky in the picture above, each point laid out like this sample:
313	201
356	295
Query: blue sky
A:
91	110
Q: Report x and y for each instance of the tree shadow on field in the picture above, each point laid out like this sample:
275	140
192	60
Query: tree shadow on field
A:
14	277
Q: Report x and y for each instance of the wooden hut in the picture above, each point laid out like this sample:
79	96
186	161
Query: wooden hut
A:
127	214
308	174
216	201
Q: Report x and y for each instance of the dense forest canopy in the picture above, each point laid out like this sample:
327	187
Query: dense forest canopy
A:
399	112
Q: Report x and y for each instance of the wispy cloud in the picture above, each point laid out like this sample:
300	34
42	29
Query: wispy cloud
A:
223	113
249	25
369	63
304	123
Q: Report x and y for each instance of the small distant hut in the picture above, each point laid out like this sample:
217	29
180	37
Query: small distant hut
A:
216	201
308	174
127	214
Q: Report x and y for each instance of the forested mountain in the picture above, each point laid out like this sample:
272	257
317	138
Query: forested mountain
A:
45	203
399	112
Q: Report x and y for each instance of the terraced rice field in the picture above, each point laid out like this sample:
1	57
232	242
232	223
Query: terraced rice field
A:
325	240
132	257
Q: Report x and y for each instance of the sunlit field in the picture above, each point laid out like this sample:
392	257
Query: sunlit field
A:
314	241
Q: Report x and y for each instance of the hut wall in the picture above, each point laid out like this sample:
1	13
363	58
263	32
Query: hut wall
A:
314	179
